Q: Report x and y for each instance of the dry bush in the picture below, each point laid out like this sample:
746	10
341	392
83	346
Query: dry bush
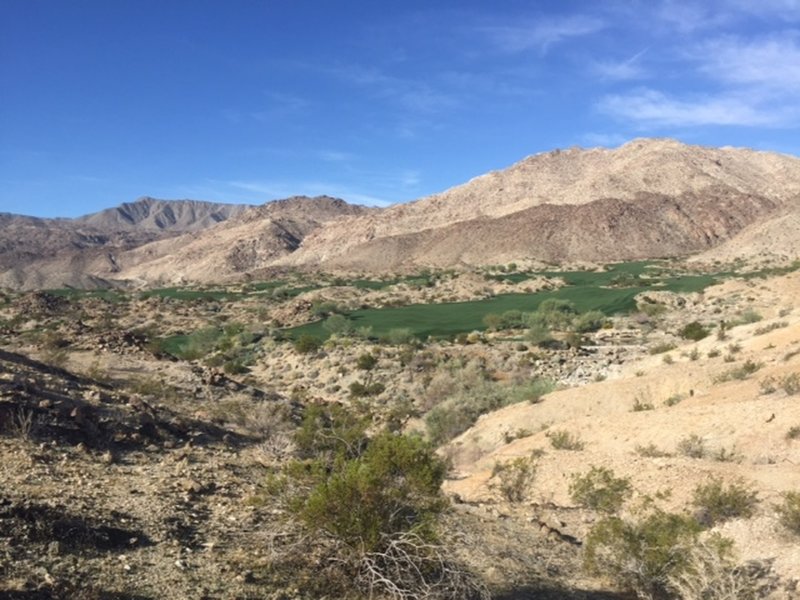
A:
711	575
409	568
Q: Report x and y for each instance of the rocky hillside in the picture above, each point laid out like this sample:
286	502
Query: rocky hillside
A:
157	240
162	215
243	247
647	198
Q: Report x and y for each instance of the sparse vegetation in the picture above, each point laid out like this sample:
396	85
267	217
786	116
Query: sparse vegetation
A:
694	331
515	477
692	446
564	440
789	512
719	502
642	555
600	490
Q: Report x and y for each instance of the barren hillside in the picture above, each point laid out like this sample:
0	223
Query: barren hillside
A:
647	198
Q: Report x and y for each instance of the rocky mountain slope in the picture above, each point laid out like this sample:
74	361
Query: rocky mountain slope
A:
162	215
153	240
647	198
242	247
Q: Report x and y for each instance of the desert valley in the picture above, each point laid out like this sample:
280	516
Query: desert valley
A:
576	377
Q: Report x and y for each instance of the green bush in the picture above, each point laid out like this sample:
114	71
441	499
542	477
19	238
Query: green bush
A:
515	477
789	512
694	331
600	490
366	362
641	556
719	502
589	321
393	486
338	325
364	390
306	344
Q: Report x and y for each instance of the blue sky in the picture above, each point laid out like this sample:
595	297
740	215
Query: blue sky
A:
375	102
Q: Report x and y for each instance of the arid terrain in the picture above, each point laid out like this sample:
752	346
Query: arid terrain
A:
309	399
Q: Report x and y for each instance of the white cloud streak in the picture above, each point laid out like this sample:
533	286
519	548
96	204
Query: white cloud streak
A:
541	34
653	108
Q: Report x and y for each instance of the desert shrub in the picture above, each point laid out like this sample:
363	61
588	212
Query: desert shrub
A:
661	348
366	362
393	486
640	404
331	432
564	440
793	433
364	390
514	477
600	490
673	400
791	383
306	344
692	446
694	331
652	309
200	343
719	502
538	334
461	409
651	451
370	521
746	317
589	321
771	327
738	373
711	574
641	555
789	511
325	308
398	336
338	325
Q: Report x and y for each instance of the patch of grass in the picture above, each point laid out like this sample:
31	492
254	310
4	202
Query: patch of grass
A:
585	290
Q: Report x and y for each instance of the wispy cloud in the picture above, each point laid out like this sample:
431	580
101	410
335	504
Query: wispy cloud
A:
418	96
627	69
541	34
647	107
772	62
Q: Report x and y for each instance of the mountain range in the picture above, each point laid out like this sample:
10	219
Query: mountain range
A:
649	198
